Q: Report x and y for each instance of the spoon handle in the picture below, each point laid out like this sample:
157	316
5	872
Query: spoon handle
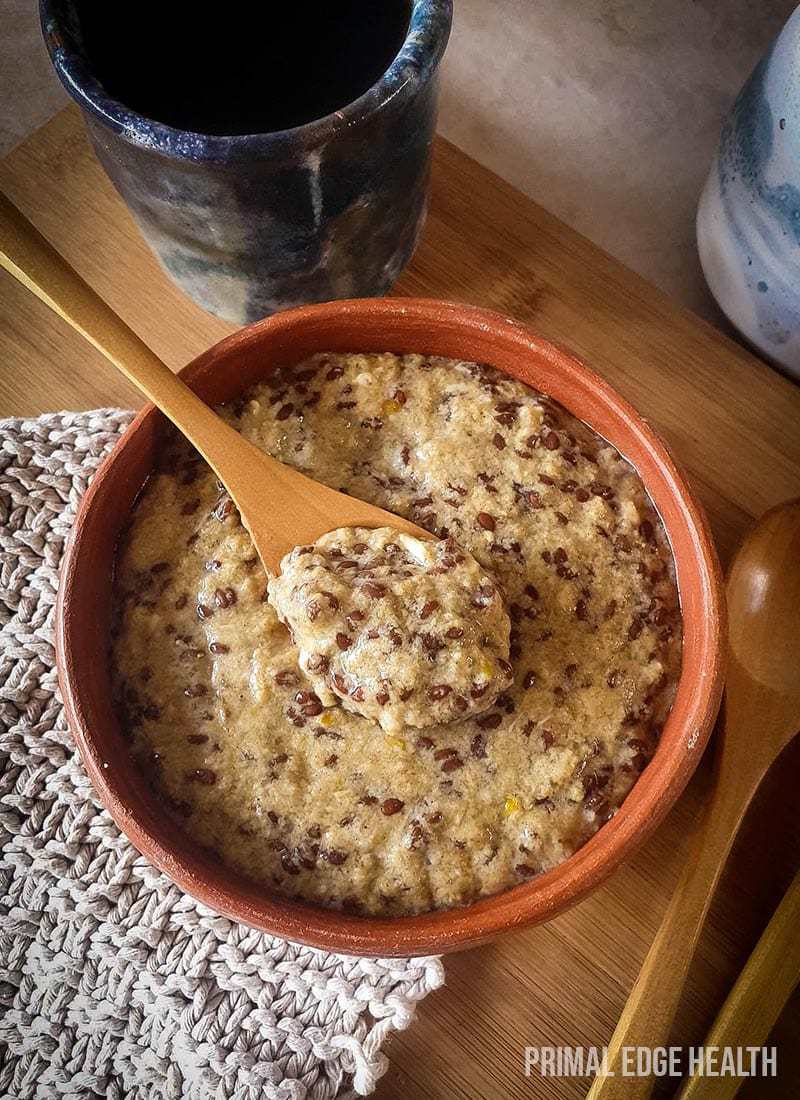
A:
279	506
649	1011
256	476
755	1002
33	261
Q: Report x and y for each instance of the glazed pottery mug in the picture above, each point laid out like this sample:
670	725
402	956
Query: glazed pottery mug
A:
253	223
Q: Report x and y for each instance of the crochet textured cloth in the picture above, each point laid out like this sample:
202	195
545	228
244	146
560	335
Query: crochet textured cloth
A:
113	982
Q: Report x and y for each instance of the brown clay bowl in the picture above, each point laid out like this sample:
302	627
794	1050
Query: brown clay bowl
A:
400	325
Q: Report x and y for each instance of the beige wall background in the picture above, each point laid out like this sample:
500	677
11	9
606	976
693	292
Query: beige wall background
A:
605	111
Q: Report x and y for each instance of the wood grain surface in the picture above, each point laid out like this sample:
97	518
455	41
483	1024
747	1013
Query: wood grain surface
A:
733	423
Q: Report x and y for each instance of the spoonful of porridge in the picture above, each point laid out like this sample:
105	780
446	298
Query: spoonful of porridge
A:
388	623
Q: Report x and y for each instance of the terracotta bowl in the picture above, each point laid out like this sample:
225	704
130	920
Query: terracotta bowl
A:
400	325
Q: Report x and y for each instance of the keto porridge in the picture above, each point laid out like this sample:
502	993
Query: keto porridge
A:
395	725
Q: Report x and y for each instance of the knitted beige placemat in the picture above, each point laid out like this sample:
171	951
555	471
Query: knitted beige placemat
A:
113	982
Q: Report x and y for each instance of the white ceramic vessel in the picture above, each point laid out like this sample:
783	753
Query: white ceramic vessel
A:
748	221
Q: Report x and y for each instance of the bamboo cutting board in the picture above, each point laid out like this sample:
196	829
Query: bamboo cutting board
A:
733	423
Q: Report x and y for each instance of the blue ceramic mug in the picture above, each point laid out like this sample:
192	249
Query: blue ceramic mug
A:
250	224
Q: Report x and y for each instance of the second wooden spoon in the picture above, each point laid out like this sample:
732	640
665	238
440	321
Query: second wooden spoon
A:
762	714
279	506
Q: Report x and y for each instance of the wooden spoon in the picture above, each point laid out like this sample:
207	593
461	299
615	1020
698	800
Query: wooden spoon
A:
762	714
280	507
753	1006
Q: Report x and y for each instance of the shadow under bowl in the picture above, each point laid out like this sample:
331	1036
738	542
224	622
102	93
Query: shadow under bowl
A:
222	373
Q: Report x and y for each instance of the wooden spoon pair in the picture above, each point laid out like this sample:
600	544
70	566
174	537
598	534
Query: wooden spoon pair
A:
762	714
279	506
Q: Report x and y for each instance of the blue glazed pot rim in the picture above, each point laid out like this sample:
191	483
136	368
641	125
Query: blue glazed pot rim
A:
414	65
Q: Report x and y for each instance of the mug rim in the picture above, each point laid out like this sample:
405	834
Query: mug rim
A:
412	68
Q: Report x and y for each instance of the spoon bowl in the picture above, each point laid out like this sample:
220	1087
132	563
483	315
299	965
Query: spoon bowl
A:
764	606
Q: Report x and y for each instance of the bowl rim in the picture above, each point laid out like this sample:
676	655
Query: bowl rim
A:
683	738
407	73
